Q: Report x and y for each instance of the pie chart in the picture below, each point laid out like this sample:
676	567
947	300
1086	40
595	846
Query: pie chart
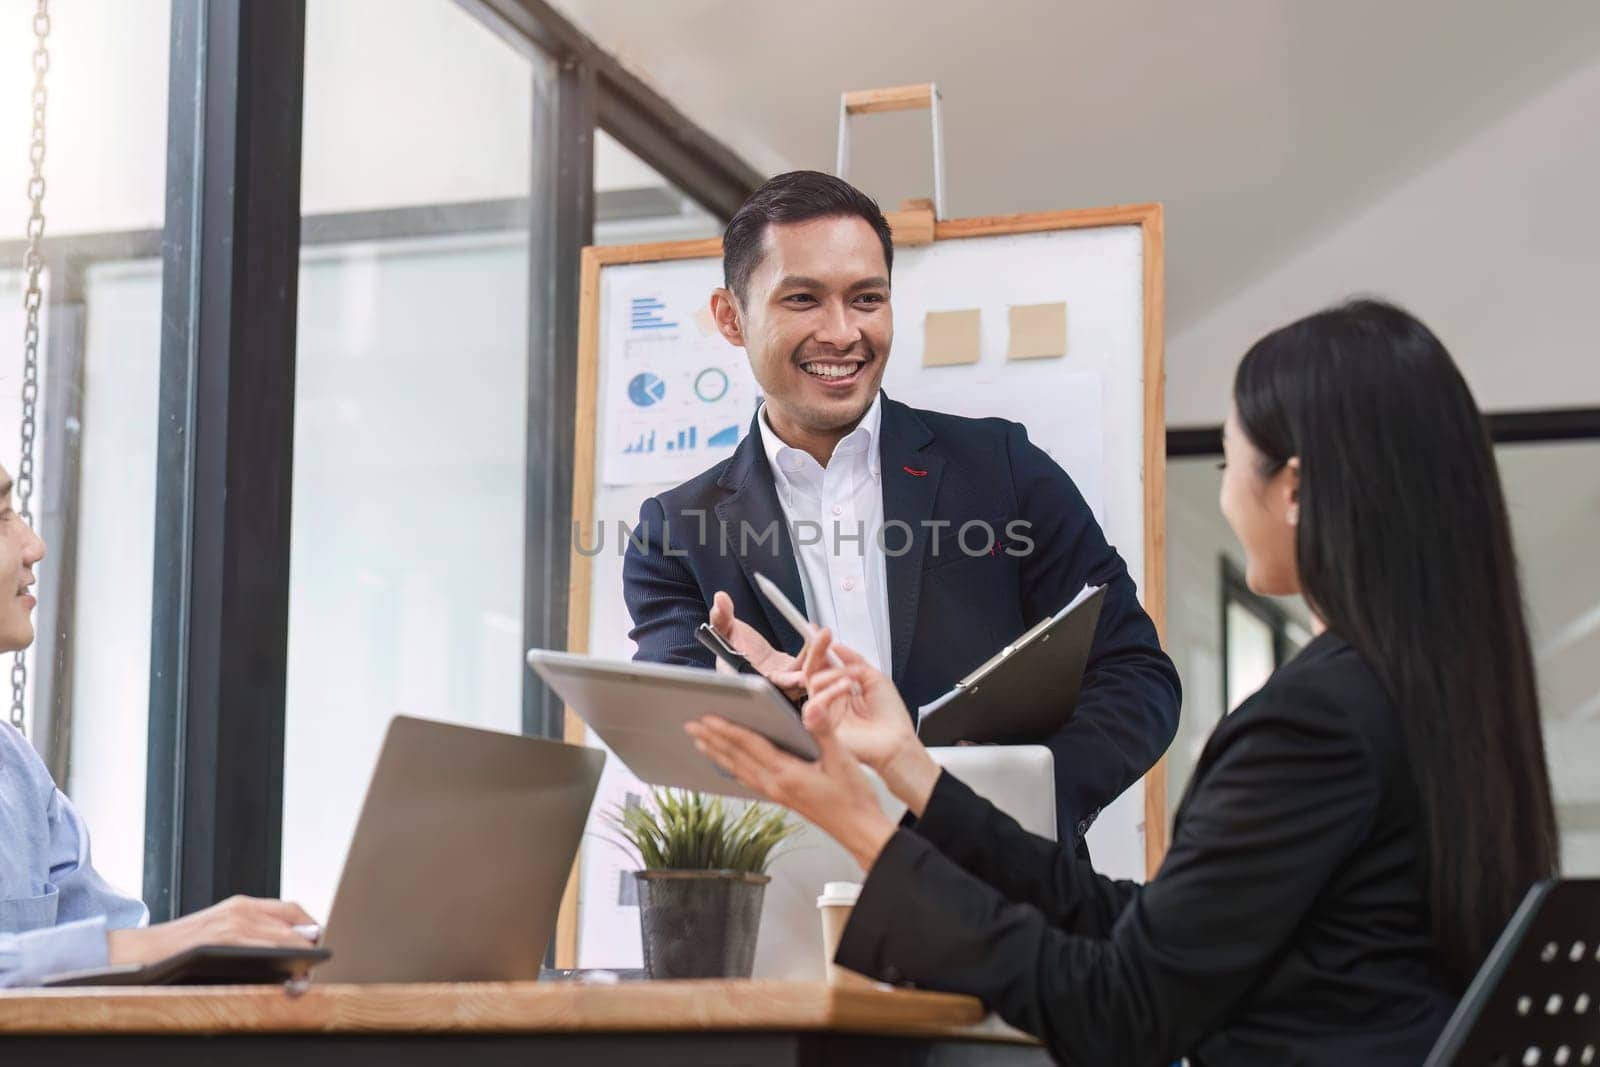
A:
646	389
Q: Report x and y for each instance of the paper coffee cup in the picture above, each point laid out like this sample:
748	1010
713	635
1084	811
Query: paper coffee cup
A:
835	904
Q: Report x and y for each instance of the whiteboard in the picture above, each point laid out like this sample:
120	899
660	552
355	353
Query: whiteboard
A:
660	390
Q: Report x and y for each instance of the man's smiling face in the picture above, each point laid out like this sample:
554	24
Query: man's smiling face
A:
816	322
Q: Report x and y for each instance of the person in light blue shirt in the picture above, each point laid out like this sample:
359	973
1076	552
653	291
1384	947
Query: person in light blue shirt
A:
56	912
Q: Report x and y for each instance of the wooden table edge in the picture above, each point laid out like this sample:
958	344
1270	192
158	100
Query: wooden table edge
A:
517	1007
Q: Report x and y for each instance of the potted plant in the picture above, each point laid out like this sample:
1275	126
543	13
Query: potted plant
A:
703	871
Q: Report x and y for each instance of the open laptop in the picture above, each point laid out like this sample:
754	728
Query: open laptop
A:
1020	780
460	857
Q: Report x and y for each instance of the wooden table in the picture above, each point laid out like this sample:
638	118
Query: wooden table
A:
662	1024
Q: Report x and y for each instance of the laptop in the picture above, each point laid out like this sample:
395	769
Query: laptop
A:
460	856
1020	780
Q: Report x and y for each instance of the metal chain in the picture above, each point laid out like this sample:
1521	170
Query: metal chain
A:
32	264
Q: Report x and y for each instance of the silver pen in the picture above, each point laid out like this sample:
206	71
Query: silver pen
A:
792	615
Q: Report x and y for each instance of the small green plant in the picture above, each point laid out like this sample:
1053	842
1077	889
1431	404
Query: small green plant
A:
689	831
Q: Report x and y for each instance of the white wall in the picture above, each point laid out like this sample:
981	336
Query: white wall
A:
1496	246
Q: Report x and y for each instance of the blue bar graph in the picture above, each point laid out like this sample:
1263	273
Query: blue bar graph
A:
645	443
685	441
646	312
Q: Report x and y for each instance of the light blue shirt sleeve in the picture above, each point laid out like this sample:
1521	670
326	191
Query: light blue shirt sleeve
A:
27	959
55	908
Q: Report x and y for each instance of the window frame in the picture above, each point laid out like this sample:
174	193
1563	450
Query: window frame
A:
1235	591
214	797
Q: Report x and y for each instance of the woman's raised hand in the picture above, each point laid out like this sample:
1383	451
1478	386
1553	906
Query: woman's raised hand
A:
859	706
831	792
859	702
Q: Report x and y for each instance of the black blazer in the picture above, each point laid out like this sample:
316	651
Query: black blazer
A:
1287	925
949	611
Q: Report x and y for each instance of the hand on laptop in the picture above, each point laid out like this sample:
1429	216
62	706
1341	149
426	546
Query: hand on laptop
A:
779	668
861	707
242	921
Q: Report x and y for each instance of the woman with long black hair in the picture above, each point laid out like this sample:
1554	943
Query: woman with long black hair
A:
1354	836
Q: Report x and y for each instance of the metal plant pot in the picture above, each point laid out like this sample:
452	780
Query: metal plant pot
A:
699	924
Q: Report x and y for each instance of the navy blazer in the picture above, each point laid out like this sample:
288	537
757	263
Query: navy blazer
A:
951	605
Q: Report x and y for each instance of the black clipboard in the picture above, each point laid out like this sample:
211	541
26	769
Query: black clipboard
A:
1026	691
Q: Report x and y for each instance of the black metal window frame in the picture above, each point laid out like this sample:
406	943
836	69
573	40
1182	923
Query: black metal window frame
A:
230	249
1514	427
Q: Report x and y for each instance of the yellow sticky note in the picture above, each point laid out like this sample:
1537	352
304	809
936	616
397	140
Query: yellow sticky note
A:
950	338
1038	331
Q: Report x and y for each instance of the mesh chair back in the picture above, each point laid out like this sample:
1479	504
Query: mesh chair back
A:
1536	1000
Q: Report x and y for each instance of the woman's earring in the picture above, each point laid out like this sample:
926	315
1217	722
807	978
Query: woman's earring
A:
1294	514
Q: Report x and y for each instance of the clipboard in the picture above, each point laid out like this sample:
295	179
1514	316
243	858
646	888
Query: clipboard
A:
1024	692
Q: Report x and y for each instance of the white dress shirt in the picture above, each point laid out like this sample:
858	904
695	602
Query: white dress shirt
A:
835	516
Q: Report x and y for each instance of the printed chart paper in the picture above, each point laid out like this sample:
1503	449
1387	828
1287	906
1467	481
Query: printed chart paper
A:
677	395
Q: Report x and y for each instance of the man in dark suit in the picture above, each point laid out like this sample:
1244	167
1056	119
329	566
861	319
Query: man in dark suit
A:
925	541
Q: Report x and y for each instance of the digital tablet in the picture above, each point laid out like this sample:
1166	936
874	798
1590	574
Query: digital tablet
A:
202	965
639	709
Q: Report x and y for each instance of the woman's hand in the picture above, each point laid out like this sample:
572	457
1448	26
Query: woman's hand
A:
833	793
246	921
779	668
861	706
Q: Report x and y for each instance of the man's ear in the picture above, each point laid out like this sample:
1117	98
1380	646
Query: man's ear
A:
725	313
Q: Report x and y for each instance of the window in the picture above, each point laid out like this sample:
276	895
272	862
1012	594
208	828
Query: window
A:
410	402
94	500
1258	637
1553	492
634	204
1223	639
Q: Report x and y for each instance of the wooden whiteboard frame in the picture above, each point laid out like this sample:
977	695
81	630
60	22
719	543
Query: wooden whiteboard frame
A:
1149	219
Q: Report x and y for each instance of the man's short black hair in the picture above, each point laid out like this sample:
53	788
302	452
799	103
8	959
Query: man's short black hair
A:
798	196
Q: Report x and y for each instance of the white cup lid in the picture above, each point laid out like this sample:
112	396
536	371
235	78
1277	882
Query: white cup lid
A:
836	893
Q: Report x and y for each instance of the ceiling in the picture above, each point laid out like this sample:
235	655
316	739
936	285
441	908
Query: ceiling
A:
1260	124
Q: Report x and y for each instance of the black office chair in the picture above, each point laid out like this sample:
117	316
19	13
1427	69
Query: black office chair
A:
1536	1000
